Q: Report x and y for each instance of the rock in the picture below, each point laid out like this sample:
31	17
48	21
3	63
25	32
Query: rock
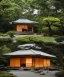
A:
42	73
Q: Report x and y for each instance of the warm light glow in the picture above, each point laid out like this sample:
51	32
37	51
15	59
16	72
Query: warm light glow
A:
28	62
15	62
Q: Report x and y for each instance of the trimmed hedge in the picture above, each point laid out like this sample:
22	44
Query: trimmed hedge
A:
34	39
1	34
28	39
3	40
60	39
6	74
11	33
59	74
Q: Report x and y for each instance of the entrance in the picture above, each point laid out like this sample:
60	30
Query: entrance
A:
24	30
23	65
26	62
23	62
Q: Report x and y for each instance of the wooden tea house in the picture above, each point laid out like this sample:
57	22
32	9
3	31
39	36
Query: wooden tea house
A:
24	25
29	58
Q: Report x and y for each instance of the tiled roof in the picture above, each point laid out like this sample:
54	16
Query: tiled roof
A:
25	21
29	52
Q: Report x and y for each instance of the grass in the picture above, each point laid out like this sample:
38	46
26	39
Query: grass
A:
47	39
6	74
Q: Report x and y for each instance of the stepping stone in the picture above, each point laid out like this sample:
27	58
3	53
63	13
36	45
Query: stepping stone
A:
42	73
38	71
21	69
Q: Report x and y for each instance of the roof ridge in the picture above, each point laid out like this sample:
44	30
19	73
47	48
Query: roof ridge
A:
33	51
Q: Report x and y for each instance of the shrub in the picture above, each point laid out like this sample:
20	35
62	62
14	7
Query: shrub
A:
59	74
2	34
55	36
28	39
34	39
60	39
6	74
11	33
54	30
3	40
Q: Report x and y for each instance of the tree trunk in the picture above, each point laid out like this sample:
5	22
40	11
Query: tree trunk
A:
50	31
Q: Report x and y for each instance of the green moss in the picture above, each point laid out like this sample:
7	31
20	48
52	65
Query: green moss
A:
6	74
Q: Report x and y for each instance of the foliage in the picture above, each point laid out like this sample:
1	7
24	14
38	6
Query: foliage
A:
59	74
32	39
60	39
48	45
11	33
3	34
55	36
60	3
31	9
8	12
49	21
54	30
49	13
3	49
6	74
11	10
58	50
5	40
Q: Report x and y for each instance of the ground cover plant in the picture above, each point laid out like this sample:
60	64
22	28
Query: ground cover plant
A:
3	34
4	40
6	74
59	74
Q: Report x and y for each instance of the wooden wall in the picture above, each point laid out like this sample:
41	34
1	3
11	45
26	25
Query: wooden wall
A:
41	62
15	62
20	27
29	62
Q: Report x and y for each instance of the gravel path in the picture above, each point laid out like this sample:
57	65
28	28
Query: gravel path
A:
32	74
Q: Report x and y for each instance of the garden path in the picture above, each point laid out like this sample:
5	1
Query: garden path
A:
33	74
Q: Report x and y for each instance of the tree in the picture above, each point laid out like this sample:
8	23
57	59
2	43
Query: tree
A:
8	12
56	49
49	21
59	3
3	49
